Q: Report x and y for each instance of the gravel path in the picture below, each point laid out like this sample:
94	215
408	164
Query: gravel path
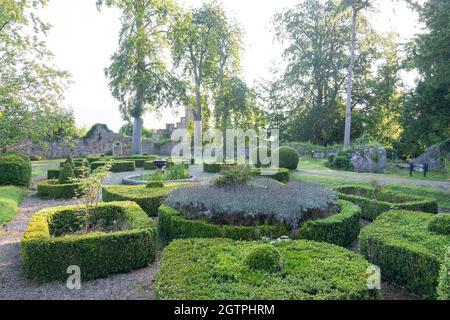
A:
136	285
438	185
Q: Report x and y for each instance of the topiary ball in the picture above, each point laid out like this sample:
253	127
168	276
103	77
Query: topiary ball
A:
155	184
265	257
289	158
66	175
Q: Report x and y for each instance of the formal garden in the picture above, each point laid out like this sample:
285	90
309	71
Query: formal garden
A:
288	212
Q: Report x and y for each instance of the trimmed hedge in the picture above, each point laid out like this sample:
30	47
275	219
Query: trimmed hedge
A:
149	199
440	224
340	229
216	269
47	252
15	169
173	225
53	189
385	201
282	175
407	253
53	174
444	279
289	158
148	165
116	166
212	168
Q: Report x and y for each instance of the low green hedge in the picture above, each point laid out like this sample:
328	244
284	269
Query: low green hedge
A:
54	173
15	169
440	224
173	225
116	166
212	168
444	279
282	175
219	269
407	253
52	188
149	199
384	201
148	165
48	248
340	229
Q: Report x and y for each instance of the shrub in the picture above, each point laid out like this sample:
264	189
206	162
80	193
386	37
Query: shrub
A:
440	224
281	175
10	199
53	189
148	198
374	203
15	169
444	279
264	258
48	250
66	175
53	174
148	165
117	165
289	158
212	168
215	269
408	254
155	184
340	229
232	176
341	162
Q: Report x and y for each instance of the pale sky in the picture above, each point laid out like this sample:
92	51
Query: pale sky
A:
84	39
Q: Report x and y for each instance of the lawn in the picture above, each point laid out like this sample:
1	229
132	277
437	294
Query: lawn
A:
41	167
10	199
443	198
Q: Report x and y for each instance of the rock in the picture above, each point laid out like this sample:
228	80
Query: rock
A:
369	159
434	156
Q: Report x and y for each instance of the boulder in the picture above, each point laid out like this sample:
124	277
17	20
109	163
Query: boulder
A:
369	159
434	156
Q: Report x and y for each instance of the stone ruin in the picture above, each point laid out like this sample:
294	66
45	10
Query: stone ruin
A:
369	159
437	157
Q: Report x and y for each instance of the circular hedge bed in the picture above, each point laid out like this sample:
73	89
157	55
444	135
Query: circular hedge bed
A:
124	239
259	208
52	188
222	269
373	202
149	199
408	253
15	169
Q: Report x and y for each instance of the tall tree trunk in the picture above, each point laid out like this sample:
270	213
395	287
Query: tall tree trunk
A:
198	130
137	136
348	113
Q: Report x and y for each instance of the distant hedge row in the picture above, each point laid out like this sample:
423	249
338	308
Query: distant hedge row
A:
15	169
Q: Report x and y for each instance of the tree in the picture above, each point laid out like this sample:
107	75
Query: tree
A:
31	89
127	130
426	116
139	76
204	46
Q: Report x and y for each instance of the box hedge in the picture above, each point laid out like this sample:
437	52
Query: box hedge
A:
212	168
374	203
116	165
440	224
53	189
15	169
340	229
149	199
148	165
281	175
407	253
48	249
444	279
219	269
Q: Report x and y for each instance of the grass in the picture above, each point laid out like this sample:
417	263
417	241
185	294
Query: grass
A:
10	199
41	167
309	163
443	198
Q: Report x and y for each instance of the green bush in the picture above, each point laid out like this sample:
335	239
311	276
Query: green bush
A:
341	163
15	169
149	199
53	174
148	165
216	269
66	175
173	225
340	229
407	253
265	258
155	184
374	203
232	176
117	165
53	189
444	279
281	175
212	168
46	256
289	158
440	224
